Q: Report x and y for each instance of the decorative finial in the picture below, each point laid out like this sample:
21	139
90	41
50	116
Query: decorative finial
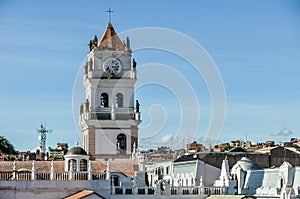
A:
109	14
108	165
52	166
14	166
33	174
76	143
33	166
89	166
128	43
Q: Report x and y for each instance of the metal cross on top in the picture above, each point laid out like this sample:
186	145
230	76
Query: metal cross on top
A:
109	14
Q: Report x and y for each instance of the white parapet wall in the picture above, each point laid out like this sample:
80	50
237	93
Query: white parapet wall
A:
50	189
157	196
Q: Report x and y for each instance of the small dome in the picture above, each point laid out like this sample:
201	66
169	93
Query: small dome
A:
245	164
76	151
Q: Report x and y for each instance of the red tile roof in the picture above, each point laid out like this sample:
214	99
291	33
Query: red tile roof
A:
110	39
127	167
83	194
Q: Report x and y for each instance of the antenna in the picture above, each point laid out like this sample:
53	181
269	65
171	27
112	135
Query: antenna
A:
43	138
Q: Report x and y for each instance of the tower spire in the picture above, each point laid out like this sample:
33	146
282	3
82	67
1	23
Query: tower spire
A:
109	11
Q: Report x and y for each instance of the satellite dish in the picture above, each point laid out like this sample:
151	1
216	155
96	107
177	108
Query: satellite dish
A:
39	137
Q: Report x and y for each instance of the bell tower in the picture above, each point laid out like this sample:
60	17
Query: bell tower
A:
110	116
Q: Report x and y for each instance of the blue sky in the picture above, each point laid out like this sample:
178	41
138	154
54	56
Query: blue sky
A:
255	45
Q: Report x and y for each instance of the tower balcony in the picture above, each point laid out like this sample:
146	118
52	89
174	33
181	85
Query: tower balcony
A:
110	114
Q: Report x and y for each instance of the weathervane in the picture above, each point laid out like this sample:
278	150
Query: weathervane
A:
109	14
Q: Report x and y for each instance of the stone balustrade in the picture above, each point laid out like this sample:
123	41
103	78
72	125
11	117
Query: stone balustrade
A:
173	190
59	176
109	114
26	175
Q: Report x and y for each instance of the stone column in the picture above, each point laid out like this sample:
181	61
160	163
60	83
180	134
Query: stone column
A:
14	171
108	170
52	170
133	155
90	177
91	140
71	172
134	138
33	171
201	186
113	114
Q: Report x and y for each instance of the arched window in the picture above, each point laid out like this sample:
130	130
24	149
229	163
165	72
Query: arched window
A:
121	143
83	165
114	180
159	173
72	164
119	100
104	100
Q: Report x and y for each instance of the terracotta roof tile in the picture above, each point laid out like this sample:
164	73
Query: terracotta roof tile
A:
27	165
110	39
127	167
253	149
83	194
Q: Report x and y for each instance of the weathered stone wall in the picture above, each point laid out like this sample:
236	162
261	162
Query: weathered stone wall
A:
280	154
275	158
262	160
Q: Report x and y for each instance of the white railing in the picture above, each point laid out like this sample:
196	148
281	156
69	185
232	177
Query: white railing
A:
42	175
61	176
132	190
98	176
124	114
58	176
173	190
6	175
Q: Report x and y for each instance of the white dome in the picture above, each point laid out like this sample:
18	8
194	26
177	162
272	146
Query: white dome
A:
245	164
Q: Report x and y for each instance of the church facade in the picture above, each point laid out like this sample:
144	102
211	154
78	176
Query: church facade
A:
110	115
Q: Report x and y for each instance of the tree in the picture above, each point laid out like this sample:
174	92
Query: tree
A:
6	147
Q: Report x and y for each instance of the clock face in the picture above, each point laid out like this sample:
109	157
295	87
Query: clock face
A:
112	66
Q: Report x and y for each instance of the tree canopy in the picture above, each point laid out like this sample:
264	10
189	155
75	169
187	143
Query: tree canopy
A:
6	147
